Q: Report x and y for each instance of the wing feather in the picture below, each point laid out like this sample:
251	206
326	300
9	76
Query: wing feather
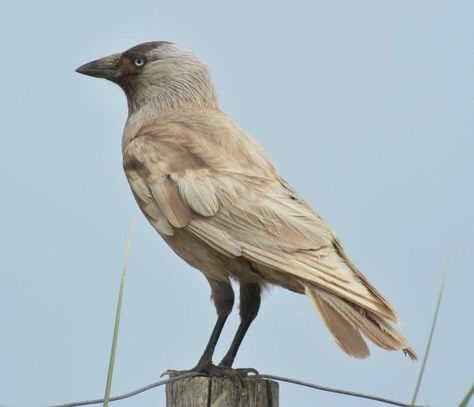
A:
173	205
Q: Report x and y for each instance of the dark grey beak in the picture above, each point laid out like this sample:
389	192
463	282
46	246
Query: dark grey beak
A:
106	67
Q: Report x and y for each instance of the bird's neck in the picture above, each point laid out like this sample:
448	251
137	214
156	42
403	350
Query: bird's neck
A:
136	119
171	96
147	103
153	111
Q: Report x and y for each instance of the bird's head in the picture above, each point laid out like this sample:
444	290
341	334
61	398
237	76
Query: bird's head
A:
159	73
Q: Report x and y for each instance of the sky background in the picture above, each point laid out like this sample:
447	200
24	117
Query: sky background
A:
365	107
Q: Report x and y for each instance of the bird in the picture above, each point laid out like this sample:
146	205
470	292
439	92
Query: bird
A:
211	192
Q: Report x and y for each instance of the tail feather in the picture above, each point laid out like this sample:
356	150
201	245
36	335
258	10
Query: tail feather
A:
347	322
345	333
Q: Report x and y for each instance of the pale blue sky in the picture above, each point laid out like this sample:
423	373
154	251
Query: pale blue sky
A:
365	107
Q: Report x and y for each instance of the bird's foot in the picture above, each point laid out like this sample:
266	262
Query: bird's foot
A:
240	372
210	369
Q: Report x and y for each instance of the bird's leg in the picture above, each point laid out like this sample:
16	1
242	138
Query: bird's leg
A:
250	295
223	297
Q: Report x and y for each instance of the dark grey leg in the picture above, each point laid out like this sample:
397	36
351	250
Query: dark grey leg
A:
223	297
250	295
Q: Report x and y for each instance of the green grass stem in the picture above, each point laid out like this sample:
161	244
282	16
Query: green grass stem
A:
428	345
108	386
467	397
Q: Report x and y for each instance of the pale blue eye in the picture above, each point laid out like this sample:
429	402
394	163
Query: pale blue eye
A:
139	62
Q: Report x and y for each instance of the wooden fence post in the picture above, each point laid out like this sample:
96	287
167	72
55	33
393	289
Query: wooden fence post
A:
221	392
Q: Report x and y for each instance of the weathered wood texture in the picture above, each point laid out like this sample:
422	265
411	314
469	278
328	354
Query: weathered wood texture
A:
221	392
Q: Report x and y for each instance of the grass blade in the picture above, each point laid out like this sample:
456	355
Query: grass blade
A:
467	397
108	386
428	345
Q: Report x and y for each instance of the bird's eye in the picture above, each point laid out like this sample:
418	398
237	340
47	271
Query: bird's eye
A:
139	62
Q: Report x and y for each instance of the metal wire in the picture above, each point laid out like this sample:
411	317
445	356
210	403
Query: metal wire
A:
260	376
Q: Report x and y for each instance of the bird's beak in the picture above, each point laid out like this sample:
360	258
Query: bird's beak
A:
106	67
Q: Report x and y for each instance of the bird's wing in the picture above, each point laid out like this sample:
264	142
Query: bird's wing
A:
215	181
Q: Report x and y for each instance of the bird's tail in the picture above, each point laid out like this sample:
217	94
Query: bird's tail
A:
347	322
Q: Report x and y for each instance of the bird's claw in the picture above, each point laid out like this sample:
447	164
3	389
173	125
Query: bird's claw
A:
235	375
